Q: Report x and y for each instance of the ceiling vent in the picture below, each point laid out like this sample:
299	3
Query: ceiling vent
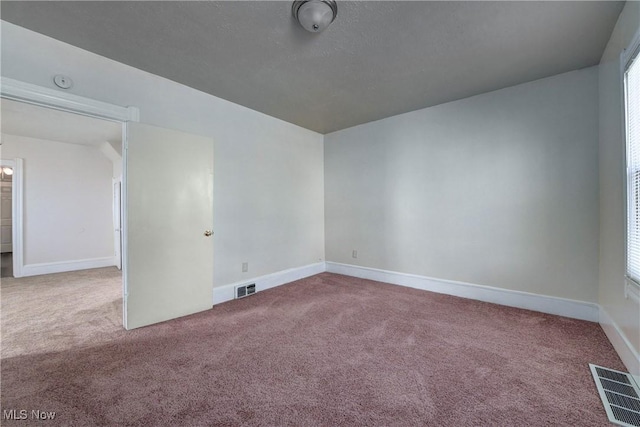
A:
620	395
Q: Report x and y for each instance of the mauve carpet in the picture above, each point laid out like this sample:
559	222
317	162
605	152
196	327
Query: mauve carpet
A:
323	351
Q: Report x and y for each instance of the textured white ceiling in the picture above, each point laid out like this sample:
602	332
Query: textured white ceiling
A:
32	121
378	59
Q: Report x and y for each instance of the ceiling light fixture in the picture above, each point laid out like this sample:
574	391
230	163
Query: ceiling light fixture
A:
7	171
315	15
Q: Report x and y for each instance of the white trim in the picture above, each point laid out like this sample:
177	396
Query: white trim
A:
18	218
17	192
546	304
621	344
60	267
632	290
627	57
56	99
226	293
630	51
124	220
116	189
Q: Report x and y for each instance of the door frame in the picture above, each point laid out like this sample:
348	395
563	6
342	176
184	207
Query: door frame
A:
51	98
116	187
16	213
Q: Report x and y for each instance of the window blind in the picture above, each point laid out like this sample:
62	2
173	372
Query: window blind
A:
632	121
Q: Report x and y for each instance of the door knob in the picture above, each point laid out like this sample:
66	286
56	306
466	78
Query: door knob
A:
208	233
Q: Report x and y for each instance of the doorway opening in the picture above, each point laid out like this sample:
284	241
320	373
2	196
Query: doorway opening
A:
62	173
6	216
151	291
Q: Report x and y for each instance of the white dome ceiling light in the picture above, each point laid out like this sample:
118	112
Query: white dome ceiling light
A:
315	15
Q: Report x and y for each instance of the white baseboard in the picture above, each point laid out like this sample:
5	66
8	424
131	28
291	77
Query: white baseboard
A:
60	267
546	304
621	344
226	293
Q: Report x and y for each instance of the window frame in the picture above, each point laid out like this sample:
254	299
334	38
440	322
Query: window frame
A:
628	57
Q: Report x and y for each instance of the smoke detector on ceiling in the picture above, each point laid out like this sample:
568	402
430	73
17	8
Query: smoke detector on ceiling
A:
63	82
315	15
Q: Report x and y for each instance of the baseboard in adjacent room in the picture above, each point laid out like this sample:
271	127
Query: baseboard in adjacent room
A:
62	266
620	342
226	293
546	304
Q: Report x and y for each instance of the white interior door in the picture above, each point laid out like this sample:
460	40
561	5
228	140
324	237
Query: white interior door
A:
6	218
169	211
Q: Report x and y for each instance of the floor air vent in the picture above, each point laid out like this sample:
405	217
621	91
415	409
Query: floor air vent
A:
245	290
620	395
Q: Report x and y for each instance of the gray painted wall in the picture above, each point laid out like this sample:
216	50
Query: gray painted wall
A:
268	174
66	219
625	313
500	189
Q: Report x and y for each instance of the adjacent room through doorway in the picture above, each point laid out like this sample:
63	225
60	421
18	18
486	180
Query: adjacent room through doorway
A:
65	283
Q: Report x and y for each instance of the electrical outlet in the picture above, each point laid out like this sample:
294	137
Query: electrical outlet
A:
245	267
354	254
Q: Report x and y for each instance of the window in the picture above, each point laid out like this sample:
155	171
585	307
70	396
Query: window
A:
632	128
